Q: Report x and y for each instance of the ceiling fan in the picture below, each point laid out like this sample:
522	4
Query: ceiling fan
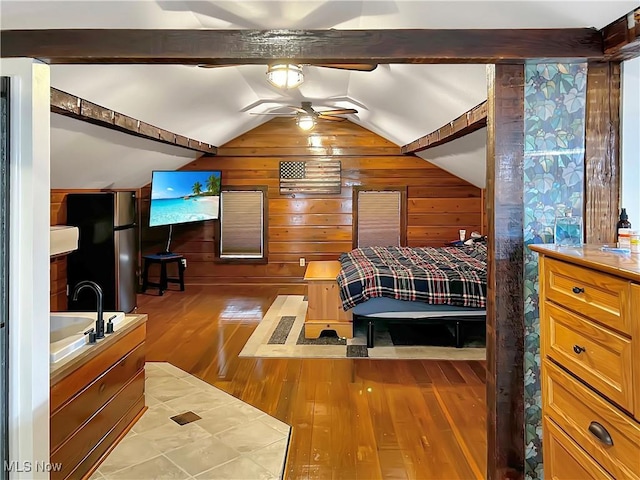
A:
306	117
287	74
358	67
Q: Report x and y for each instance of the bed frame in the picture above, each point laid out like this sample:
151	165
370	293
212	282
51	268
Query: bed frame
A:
452	316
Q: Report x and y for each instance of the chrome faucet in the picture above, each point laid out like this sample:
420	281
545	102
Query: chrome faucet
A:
99	309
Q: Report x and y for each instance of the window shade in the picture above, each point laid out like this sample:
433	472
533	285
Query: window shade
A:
379	218
241	224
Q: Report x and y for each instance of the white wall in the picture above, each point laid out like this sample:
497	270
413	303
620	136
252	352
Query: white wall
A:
465	157
630	140
90	156
28	266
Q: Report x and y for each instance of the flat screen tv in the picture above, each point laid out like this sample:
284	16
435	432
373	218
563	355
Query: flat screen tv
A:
183	196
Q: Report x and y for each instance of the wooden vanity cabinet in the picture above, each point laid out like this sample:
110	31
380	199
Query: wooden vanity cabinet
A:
95	401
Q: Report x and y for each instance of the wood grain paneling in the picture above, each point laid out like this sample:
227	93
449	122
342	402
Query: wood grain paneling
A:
483	211
602	152
226	47
64	389
622	37
317	226
58	283
75	412
95	432
58	265
505	267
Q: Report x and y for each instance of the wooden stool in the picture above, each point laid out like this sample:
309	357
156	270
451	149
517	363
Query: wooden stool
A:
163	260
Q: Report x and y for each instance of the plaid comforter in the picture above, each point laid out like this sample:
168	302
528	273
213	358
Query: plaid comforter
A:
446	275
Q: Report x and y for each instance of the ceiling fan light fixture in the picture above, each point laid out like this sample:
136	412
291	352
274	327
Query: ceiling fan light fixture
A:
305	122
285	75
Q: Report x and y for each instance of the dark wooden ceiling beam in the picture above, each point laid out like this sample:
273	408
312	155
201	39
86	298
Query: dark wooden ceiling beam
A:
468	122
305	46
72	106
622	37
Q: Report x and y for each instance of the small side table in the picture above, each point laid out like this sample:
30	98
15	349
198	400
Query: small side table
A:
324	310
163	260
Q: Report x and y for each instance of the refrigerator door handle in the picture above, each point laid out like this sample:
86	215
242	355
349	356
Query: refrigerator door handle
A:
124	208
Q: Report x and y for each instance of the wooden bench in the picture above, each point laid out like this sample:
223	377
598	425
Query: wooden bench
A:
324	311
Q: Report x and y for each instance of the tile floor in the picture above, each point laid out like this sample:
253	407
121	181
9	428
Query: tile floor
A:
231	440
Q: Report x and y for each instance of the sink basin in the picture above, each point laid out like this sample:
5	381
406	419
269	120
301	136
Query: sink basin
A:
62	239
67	331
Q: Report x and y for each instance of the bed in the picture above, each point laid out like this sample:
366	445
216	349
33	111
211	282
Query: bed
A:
446	284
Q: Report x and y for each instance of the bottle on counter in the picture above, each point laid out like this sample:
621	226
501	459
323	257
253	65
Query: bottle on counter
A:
624	238
623	227
635	241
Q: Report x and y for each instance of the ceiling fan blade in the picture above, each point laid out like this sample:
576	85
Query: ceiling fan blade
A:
213	65
298	109
338	111
359	67
332	118
274	113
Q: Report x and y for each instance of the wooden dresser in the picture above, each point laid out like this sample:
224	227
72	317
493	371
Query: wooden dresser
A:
590	353
324	311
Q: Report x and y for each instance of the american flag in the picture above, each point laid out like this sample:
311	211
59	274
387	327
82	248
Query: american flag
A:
313	176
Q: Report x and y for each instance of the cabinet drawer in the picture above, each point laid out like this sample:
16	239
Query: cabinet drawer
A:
581	413
600	357
565	460
601	297
72	452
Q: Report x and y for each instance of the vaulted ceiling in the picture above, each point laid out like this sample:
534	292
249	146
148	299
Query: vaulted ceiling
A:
398	102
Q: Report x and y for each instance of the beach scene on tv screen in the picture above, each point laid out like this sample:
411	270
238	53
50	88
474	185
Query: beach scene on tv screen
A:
184	196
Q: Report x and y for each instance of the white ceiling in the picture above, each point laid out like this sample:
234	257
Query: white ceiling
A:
399	102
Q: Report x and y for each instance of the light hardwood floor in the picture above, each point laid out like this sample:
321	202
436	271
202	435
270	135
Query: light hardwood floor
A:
352	419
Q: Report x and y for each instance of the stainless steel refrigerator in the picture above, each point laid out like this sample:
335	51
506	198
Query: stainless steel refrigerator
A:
107	249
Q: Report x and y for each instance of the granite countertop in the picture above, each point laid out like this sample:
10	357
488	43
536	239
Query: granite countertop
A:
626	265
65	366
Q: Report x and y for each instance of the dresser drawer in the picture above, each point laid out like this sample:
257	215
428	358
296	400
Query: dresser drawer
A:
581	413
599	356
601	297
565	460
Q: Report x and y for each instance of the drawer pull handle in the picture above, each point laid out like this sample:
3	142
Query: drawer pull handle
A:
578	290
601	433
578	349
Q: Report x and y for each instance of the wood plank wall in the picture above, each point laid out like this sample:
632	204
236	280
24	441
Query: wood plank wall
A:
58	265
483	211
317	227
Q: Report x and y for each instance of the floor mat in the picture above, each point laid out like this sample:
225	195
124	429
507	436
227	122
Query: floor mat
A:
280	333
